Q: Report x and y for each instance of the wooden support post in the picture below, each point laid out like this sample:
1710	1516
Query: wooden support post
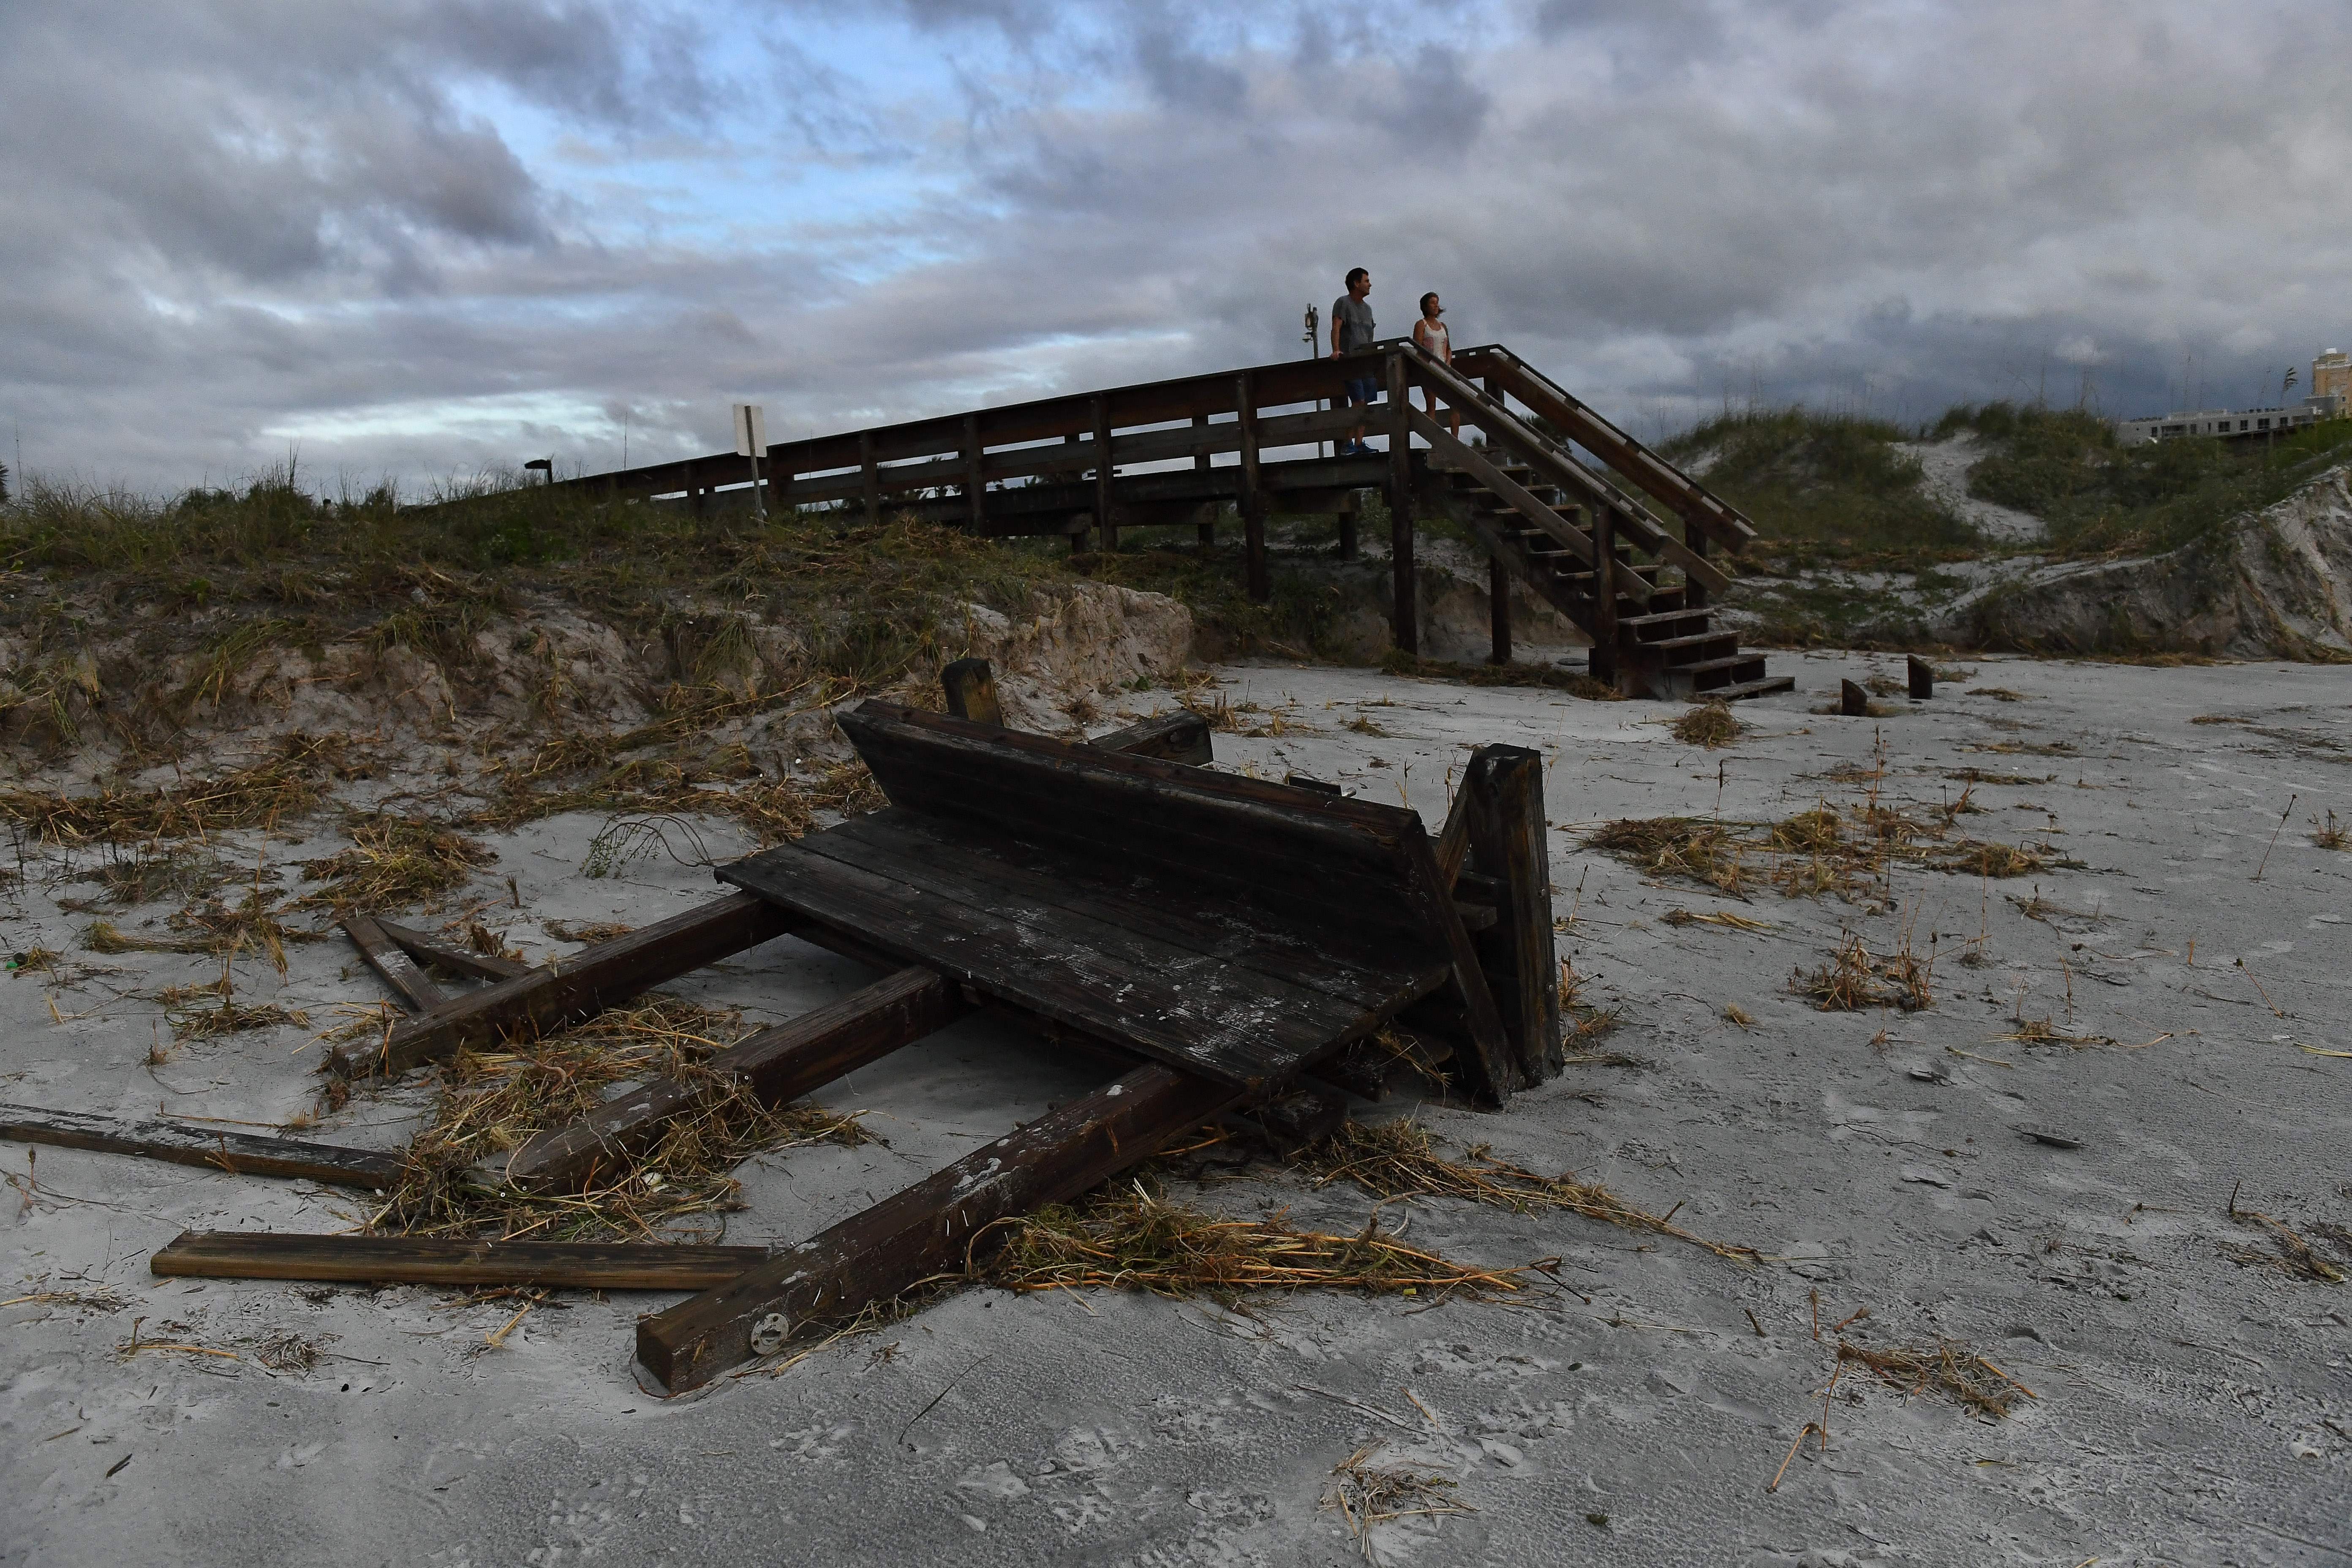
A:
1208	518
1349	548
1695	591
928	1228
1923	679
777	1066
975	479
1104	517
969	686
1604	663
1404	616
1498	611
780	485
548	998
1077	471
1488	1068
1509	843
870	472
1256	579
422	1260
240	1153
1854	702
693	493
393	966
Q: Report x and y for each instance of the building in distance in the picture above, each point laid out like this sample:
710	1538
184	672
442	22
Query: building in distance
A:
2331	395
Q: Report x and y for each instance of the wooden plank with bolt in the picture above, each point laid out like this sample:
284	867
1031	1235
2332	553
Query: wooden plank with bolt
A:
435	1260
238	1154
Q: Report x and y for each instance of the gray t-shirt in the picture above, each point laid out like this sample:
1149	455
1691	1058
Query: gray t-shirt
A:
1356	330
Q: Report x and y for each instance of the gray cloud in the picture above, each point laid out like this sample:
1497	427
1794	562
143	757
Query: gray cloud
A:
423	234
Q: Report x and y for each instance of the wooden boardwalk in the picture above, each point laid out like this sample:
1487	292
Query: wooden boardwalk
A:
1621	542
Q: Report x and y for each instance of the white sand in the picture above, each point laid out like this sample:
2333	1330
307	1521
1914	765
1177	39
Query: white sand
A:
2192	1409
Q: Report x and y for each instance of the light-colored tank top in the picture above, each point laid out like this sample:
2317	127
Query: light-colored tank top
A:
1436	339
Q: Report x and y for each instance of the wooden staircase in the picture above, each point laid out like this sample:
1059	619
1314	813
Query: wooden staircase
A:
1665	648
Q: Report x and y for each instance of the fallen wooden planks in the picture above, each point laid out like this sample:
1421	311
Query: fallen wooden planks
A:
426	1260
777	1065
456	960
1178	737
394	967
550	997
241	1153
928	1229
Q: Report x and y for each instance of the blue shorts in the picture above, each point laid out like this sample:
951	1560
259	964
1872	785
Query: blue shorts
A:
1360	393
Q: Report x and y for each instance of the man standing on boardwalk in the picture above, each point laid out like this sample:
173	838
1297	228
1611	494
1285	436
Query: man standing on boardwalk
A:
1352	328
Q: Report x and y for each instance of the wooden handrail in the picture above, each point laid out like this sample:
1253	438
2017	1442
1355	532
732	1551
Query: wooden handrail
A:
1554	526
1696	504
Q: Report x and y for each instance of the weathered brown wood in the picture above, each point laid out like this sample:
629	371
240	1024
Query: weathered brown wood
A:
969	687
1923	678
1177	737
1106	470
550	997
930	1228
1606	581
240	1153
869	476
1348	547
975	481
778	1066
1202	463
1451	846
393	966
1509	843
1695	595
1488	1069
456	960
1256	580
432	1260
1854	702
1404	609
1498	611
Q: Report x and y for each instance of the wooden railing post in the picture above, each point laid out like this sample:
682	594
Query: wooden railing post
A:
1259	585
1404	612
1510	842
693	493
1498	610
1103	475
976	482
1208	518
871	473
1604	594
1694	591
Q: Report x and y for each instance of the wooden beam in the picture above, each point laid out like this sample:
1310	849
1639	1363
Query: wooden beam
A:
1498	611
1202	463
433	1261
1106	470
927	1229
1607	580
869	476
456	960
239	1154
1404	609
777	1066
548	997
1509	843
392	965
1258	585
1178	737
975	481
1489	1070
969	686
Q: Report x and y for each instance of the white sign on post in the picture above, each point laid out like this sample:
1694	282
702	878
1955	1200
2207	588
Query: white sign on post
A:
751	441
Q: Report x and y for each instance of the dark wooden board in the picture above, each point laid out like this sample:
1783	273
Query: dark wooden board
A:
557	993
1377	976
428	1260
1178	737
928	1228
394	967
240	1153
1509	841
778	1065
1131	991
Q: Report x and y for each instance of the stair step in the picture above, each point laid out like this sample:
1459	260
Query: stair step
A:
1718	666
1681	644
1746	689
1638	624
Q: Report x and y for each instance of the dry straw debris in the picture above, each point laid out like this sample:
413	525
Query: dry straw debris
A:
277	789
1944	1367
394	863
1366	1495
1400	1159
491	1102
1709	724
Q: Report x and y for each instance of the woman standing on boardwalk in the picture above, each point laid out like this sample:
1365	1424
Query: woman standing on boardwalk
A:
1430	333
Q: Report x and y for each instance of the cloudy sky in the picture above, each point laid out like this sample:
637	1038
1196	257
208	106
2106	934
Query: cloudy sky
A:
419	237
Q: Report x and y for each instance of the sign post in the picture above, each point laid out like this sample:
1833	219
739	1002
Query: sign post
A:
751	441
